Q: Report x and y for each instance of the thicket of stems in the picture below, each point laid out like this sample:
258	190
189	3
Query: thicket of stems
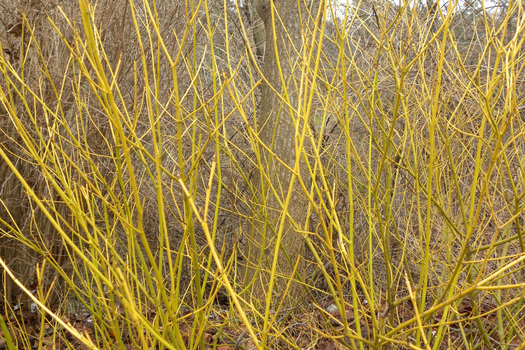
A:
129	145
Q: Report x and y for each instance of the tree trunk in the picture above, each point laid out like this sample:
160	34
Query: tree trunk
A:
256	28
277	130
